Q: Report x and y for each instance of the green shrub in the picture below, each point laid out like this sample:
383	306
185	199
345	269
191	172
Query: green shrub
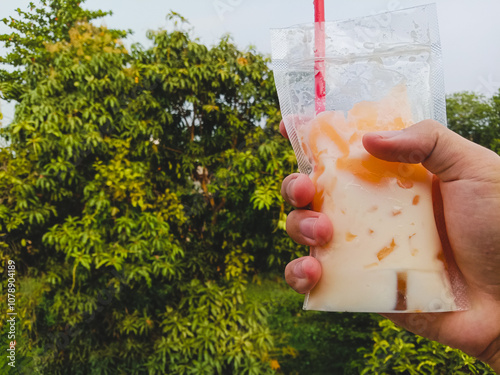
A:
397	351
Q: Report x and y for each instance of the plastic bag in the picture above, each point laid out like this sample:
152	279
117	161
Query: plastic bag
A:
382	72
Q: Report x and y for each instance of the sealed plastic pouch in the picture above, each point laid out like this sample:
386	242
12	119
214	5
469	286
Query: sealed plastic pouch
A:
381	73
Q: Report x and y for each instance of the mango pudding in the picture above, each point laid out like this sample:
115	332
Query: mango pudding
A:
386	253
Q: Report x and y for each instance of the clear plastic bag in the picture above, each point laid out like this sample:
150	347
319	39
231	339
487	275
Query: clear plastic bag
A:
381	72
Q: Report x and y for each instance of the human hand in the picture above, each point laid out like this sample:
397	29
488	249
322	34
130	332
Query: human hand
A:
469	181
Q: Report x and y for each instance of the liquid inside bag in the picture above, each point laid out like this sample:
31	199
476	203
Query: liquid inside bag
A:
382	72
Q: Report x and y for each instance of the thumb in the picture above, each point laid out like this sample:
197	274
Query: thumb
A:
440	150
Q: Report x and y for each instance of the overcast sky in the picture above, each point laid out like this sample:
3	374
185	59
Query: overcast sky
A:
470	30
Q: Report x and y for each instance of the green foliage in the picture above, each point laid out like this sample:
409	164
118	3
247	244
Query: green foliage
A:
311	342
128	197
398	351
47	23
476	118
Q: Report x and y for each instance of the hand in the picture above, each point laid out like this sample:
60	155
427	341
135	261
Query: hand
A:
469	180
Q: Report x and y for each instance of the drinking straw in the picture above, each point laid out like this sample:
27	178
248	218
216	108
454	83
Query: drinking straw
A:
319	54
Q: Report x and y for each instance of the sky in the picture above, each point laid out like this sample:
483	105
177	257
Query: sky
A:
470	30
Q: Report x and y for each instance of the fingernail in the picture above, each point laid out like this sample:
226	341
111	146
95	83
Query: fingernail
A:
387	134
299	270
306	227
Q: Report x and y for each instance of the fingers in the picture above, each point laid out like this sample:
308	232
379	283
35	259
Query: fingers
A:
303	226
298	190
309	227
440	150
302	274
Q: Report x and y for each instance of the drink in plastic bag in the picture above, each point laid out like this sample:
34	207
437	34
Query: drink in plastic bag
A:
386	253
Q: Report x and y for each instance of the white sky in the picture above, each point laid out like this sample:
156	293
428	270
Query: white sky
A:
470	30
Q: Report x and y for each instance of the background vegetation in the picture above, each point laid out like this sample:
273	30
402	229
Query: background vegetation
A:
139	198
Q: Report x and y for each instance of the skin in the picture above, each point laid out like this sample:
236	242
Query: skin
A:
468	218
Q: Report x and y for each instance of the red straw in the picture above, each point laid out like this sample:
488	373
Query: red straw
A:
319	54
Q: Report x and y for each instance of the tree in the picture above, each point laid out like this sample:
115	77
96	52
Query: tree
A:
46	24
138	195
476	118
